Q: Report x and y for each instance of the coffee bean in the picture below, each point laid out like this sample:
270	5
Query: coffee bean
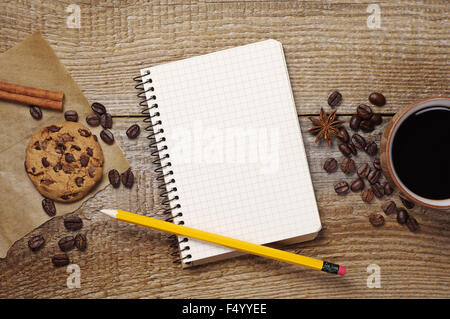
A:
367	195
376	119
114	178
341	188
371	148
357	185
376	220
98	108
71	116
352	148
376	163
79	181
408	204
388	189
81	242
106	120
377	99
91	171
73	223
377	190
49	207
358	141
330	165
345	149
389	207
364	112
355	121
45	163
348	165
60	260
128	178
35	112
133	131
366	126
412	224
93	120
107	136
66	243
363	170
345	137
83	132
373	176
36	242
69	158
334	99
402	215
84	160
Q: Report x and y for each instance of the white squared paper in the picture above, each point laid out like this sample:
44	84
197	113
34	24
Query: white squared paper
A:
243	91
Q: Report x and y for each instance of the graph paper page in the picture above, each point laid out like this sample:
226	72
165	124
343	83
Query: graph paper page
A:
237	158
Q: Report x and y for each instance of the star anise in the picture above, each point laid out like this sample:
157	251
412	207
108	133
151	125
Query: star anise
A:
325	126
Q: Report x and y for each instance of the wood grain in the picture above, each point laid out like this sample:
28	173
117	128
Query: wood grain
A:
328	46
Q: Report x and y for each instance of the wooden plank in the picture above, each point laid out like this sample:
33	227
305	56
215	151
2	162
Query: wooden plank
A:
128	261
327	44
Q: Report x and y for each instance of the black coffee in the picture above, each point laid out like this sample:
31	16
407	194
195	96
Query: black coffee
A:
420	152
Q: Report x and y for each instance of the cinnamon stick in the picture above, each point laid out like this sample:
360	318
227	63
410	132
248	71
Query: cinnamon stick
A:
30	95
50	104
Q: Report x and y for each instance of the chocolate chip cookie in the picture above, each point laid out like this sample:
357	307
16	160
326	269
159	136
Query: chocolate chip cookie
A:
64	161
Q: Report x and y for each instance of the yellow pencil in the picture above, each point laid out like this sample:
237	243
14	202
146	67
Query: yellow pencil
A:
236	244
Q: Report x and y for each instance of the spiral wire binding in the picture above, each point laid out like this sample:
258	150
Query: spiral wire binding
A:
159	152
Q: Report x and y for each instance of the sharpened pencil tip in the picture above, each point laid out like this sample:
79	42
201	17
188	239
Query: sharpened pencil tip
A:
110	212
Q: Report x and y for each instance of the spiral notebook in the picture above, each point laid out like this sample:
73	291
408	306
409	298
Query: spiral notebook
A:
229	150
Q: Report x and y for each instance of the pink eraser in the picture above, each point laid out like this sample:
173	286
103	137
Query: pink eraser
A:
342	270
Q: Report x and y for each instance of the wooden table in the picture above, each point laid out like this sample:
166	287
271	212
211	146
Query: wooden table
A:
328	45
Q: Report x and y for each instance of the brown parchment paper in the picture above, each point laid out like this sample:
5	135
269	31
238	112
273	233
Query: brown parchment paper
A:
33	63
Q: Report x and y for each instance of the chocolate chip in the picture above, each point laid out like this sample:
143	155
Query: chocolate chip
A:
84	132
37	146
89	151
53	128
75	147
79	181
45	163
57	167
69	158
84	160
91	171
